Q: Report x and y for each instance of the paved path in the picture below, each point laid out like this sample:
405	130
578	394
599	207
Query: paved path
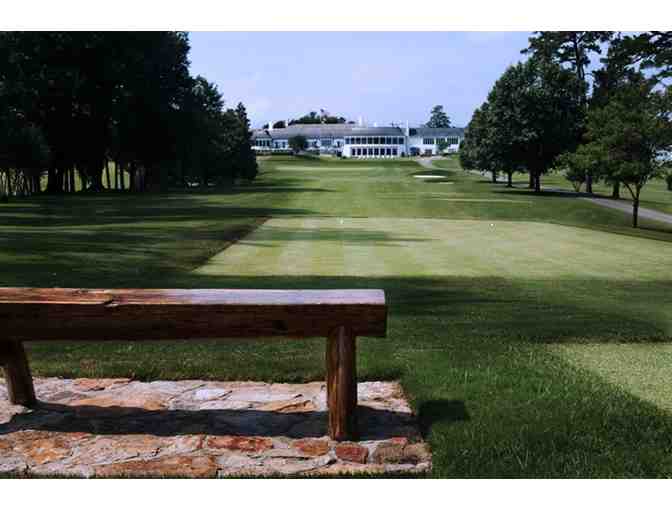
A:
427	162
626	207
619	205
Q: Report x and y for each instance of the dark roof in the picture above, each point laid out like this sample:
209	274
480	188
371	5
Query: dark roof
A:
326	131
425	131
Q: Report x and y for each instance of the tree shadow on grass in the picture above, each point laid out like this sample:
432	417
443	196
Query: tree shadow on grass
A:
441	410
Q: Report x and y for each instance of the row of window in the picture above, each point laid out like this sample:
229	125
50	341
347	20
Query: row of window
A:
367	140
374	140
373	151
451	140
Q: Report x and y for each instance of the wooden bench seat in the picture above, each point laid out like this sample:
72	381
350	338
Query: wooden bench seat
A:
32	314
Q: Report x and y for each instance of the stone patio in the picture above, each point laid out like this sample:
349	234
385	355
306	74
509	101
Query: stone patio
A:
119	427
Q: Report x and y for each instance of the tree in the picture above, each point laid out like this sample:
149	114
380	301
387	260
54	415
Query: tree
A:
614	73
83	99
573	48
438	118
632	134
577	165
651	50
535	115
244	157
279	124
479	150
298	143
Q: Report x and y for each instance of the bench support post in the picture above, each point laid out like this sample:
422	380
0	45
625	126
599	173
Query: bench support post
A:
342	384
17	373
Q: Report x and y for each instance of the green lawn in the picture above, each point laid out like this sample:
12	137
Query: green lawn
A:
502	302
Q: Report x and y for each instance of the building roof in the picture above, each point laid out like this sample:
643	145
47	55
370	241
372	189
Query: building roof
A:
341	130
326	131
430	132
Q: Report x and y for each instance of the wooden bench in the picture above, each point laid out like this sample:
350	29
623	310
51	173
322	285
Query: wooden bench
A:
28	314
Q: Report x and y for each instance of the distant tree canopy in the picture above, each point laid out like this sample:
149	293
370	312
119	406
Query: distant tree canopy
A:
298	143
324	117
438	118
74	101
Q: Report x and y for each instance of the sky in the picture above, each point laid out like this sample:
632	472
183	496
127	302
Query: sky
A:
384	77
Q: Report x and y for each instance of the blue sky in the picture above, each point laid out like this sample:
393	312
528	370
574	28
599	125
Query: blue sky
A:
383	76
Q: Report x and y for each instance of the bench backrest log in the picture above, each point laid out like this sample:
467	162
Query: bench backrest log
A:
166	314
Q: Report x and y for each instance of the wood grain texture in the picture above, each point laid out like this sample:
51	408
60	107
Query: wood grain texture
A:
341	358
17	373
164	314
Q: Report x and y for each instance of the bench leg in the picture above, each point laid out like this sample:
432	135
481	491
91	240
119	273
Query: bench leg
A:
342	384
17	373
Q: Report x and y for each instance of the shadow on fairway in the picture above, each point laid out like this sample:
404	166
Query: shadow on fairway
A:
441	410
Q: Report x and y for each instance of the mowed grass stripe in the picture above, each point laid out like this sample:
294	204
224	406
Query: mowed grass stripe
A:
431	247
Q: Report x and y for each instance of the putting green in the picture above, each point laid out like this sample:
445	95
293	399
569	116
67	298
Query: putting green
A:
642	369
436	247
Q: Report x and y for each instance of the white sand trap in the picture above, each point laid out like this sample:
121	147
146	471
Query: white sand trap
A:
429	176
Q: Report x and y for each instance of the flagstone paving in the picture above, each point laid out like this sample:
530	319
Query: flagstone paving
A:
125	428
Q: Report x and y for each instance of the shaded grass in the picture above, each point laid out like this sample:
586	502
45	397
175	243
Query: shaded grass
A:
471	348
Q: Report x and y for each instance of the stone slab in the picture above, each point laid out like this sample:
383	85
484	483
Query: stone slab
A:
125	428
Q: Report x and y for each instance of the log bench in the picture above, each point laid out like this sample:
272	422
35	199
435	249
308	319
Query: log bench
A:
32	314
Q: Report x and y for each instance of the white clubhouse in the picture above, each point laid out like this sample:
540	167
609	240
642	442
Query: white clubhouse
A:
359	141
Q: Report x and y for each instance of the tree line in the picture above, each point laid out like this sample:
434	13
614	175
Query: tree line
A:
98	106
612	124
323	117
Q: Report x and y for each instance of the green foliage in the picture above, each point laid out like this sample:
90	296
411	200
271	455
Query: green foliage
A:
298	143
324	117
573	48
120	96
632	133
438	118
652	50
441	145
532	115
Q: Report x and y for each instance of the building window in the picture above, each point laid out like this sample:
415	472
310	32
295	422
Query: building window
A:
369	141
326	142
440	140
388	151
394	151
428	141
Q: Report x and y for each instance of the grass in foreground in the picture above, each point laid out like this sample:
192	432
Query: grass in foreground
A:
476	315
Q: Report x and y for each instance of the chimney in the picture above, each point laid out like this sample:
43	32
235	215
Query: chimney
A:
270	126
360	121
408	131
